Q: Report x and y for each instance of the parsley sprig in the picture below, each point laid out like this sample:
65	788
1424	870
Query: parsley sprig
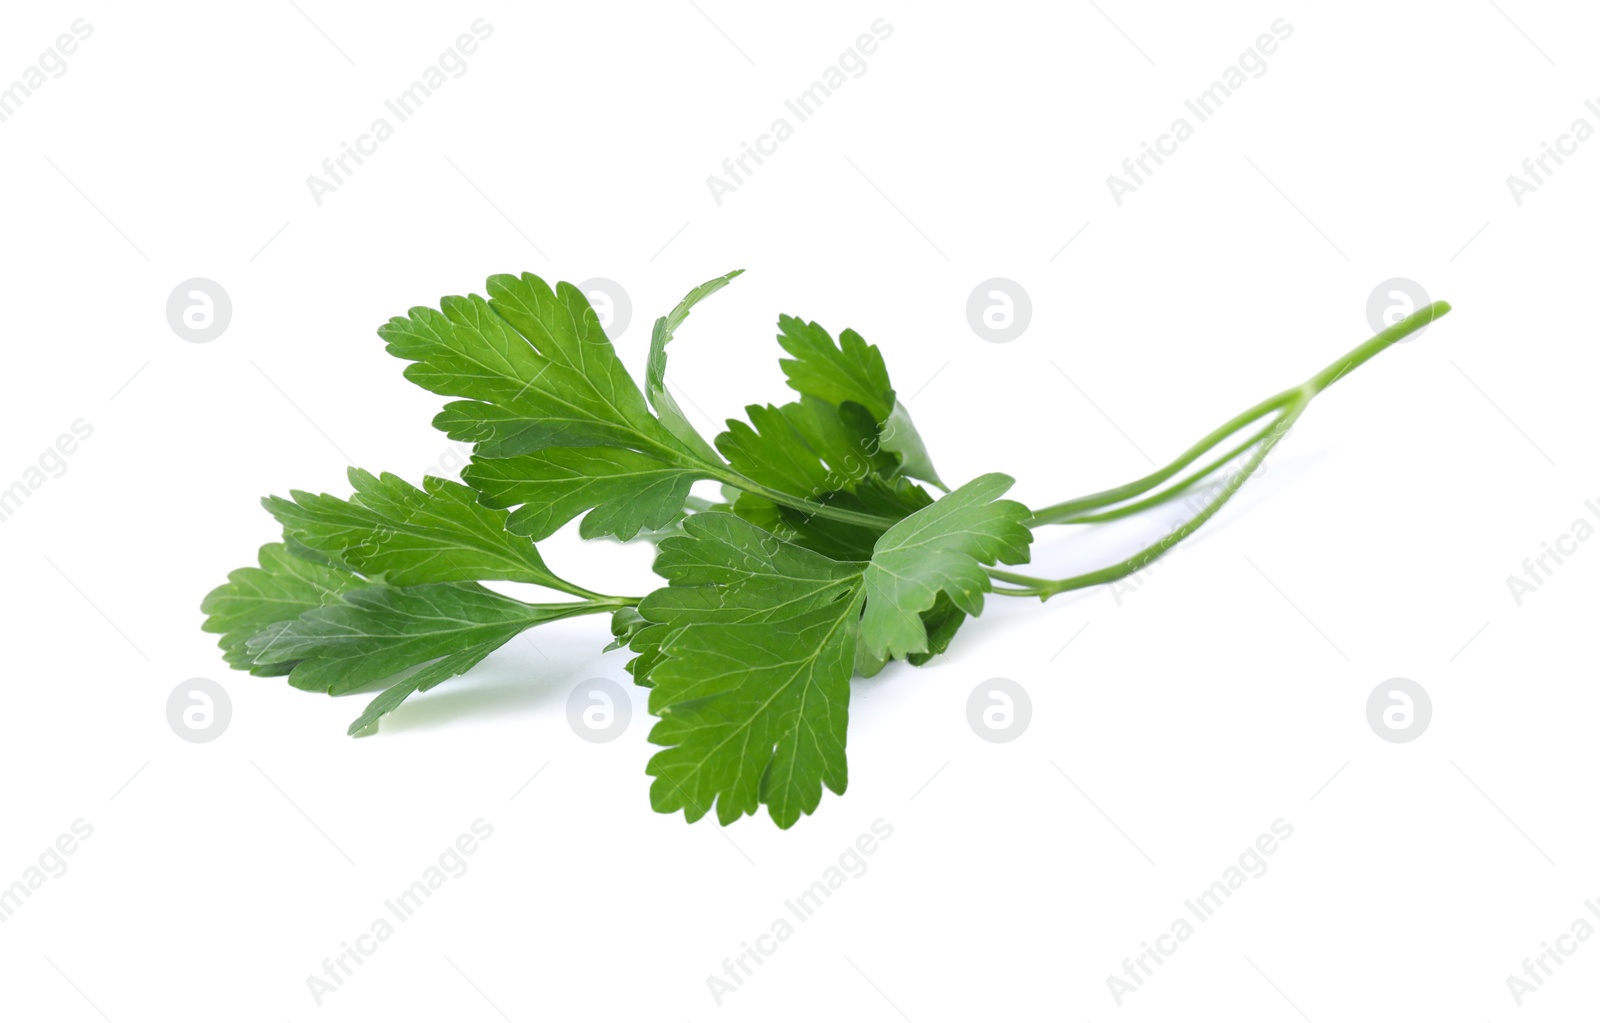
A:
826	556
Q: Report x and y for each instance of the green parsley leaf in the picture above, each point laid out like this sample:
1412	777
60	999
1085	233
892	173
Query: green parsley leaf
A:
749	650
750	713
941	549
901	439
419	681
536	367
752	574
829	453
655	374
281	589
560	427
391	531
759	717
378	631
942	622
853	373
626	622
627	491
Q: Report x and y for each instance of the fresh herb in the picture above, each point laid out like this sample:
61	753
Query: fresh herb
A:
826	557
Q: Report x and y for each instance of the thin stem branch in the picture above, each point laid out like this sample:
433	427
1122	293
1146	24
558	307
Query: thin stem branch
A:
1176	490
1375	344
593	605
815	508
1070	511
1288	404
1067	511
1044	589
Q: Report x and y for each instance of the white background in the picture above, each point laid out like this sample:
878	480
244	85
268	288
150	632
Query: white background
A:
1181	721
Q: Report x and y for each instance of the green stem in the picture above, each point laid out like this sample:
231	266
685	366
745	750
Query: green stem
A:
1372	346
1289	404
1069	511
1176	490
814	508
573	589
724	473
1044	589
593	605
